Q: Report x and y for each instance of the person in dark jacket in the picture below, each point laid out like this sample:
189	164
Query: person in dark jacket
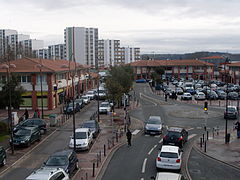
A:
26	114
129	137
238	128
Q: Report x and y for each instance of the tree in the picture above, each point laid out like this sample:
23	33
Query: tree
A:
157	74
119	81
16	93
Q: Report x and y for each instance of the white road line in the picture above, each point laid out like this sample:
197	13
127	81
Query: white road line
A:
191	136
160	141
155	104
199	127
142	179
135	132
189	129
152	150
144	165
146	135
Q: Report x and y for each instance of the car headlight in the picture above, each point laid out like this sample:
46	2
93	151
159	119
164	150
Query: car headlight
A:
84	143
146	127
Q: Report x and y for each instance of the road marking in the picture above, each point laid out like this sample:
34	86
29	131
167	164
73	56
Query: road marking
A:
191	136
152	150
144	165
135	132
142	179
189	129
147	135
157	136
155	104
199	127
160	141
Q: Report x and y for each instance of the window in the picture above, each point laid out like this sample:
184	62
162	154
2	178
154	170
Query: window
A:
44	78
58	176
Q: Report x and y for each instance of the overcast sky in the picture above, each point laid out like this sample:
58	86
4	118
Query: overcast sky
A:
162	26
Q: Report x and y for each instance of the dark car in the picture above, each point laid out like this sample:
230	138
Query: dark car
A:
232	96
221	95
3	156
212	95
231	112
40	123
80	102
70	110
141	81
25	136
66	160
175	136
93	126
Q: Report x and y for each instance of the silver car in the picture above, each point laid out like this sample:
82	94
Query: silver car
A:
153	125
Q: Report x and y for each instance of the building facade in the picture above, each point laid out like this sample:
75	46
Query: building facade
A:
28	46
56	81
41	53
174	68
131	54
82	44
56	51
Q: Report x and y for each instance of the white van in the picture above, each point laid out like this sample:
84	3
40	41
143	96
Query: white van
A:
84	139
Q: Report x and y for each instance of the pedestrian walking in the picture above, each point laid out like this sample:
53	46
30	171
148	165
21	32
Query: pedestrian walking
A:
129	137
237	127
35	114
26	114
166	97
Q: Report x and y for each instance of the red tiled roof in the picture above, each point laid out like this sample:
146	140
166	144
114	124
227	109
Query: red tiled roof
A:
213	57
237	64
153	63
31	65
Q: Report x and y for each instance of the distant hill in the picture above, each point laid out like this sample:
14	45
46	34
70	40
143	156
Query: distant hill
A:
195	55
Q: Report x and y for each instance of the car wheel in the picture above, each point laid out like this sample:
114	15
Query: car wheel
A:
4	161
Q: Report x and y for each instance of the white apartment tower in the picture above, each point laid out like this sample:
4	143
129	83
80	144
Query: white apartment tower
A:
56	51
41	53
131	54
109	53
28	46
82	44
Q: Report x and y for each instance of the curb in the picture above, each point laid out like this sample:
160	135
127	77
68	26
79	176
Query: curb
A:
208	156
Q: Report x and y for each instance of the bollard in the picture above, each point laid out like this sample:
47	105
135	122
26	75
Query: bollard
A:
205	128
104	150
116	136
203	138
201	142
213	133
205	146
112	141
86	176
219	103
100	154
109	144
217	130
207	135
93	172
97	160
81	178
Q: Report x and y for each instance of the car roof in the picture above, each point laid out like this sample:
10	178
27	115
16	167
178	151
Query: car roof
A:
176	129
42	173
90	121
82	130
66	152
105	102
168	176
155	117
232	107
29	127
168	148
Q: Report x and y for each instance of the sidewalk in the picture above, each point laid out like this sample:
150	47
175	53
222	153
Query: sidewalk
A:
217	149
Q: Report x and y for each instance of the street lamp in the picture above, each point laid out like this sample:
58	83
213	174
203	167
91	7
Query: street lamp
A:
8	68
40	68
226	117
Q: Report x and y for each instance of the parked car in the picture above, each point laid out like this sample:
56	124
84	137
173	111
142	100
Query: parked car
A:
104	108
179	91
175	136
3	156
169	157
101	94
200	96
80	102
167	176
190	90
231	112
94	127
40	123
140	81
153	125
211	95
49	174
25	136
186	96
84	139
66	159
233	96
91	95
221	95
86	99
69	108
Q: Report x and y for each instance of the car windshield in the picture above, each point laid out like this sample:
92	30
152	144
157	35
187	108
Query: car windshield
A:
90	92
57	161
154	121
23	132
231	109
81	135
101	91
173	134
88	125
104	105
169	155
85	97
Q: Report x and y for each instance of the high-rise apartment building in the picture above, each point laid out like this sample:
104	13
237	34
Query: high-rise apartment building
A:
82	44
56	51
41	53
131	54
27	47
109	53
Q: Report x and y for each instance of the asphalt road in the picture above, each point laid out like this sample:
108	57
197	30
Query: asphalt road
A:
138	161
57	141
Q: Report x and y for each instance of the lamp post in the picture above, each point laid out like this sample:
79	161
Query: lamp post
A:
8	68
226	118
40	68
98	98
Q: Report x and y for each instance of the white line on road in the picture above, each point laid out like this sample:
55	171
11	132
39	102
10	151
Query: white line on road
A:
144	165
160	141
142	178
152	150
135	132
199	127
155	104
191	136
189	129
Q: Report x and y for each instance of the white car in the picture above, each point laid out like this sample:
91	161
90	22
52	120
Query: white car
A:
105	107
86	99
84	139
91	94
186	96
169	157
200	96
167	176
48	174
